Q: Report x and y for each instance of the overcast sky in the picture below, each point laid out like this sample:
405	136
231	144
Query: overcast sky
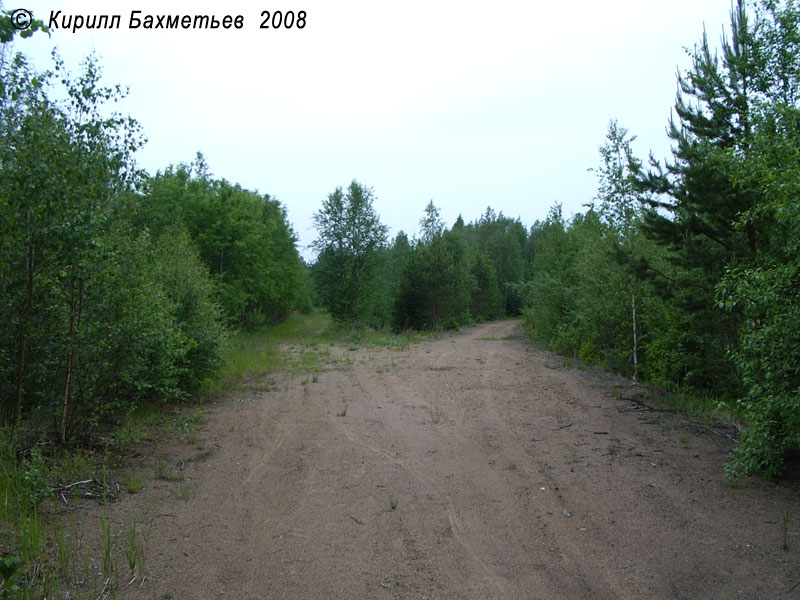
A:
469	104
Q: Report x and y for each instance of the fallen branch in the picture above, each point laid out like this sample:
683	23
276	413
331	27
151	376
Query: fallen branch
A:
64	488
712	430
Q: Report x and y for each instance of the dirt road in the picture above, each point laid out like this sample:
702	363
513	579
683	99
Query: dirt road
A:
474	466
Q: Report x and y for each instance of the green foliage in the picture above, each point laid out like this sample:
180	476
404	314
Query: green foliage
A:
111	287
431	224
696	262
349	243
394	265
735	227
578	298
10	573
98	315
767	296
700	194
243	238
444	279
436	285
548	297
486	299
190	291
63	165
8	31
502	240
554	293
621	209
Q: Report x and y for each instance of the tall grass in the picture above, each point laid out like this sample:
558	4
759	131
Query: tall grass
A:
16	495
23	543
39	559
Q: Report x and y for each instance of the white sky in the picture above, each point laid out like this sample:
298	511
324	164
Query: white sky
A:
467	103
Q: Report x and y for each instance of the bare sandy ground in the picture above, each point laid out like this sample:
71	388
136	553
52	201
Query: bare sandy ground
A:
475	466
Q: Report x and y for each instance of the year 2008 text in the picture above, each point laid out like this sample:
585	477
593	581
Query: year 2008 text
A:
277	19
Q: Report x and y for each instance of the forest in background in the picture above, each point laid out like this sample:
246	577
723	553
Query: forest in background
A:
119	287
683	273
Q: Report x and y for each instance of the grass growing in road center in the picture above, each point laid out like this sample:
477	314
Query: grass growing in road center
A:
310	337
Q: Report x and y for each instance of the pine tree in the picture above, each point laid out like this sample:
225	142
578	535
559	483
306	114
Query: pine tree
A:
436	284
696	199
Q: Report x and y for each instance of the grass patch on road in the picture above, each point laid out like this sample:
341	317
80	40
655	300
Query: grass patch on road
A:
302	344
252	353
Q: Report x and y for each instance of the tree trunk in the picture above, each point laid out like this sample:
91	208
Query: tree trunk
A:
635	333
75	307
23	337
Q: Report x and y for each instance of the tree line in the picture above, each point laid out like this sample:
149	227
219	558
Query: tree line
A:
117	287
443	279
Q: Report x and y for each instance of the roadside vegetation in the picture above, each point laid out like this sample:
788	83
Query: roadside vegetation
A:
685	273
682	274
45	557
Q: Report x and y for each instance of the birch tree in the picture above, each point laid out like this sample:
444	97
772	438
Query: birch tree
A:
620	208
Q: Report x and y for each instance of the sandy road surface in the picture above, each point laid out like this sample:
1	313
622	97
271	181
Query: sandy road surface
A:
510	477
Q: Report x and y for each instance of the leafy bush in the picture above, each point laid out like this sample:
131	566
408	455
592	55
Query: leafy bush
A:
176	264
767	296
243	238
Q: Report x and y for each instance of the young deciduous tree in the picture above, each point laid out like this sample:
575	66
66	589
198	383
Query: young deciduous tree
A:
620	208
350	235
431	224
94	318
767	296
